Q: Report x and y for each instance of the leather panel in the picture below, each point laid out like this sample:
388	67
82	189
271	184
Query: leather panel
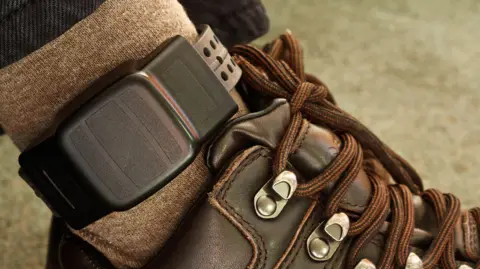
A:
206	241
277	233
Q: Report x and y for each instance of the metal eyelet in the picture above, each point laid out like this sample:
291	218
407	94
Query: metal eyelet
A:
324	241
274	195
414	262
365	264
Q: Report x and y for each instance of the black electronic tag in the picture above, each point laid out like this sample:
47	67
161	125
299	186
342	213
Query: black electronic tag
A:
124	144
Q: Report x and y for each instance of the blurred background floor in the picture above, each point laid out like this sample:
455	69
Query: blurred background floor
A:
408	69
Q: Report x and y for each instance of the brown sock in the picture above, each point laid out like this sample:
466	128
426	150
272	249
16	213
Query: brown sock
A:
35	88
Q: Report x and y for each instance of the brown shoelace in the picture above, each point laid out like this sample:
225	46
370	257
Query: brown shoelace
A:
278	72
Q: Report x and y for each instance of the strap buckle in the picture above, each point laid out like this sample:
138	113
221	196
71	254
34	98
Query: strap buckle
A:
137	134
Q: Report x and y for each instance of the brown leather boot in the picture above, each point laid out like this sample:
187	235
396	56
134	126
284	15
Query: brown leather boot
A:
302	184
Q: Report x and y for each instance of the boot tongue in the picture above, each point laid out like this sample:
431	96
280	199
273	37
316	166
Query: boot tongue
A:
316	149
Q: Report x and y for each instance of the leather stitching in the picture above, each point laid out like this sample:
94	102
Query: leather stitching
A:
299	245
254	233
245	163
300	242
226	189
339	256
222	210
332	264
220	193
340	259
308	229
304	224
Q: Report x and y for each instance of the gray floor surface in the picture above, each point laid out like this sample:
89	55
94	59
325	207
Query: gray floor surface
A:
406	68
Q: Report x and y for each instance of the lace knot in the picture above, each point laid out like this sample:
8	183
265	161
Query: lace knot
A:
307	92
